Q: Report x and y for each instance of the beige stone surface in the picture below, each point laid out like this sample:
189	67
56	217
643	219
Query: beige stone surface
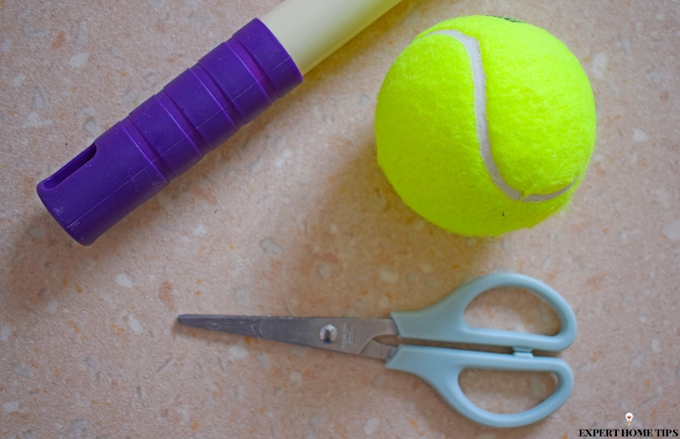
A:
293	217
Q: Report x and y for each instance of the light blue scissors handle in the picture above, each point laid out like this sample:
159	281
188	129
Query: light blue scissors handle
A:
441	367
444	321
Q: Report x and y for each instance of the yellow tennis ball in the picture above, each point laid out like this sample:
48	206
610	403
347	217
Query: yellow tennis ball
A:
485	125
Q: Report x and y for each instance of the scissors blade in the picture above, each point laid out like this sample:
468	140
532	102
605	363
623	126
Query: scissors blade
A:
351	336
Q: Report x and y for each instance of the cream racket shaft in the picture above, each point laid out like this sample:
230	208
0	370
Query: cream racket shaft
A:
310	30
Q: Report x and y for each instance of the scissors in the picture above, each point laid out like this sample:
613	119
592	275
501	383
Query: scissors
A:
441	322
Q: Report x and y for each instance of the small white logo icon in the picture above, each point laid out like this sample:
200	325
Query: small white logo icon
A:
629	417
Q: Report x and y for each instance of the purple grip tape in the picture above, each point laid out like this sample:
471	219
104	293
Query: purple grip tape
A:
170	132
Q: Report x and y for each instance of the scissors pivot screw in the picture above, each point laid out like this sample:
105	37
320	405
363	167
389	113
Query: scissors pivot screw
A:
328	334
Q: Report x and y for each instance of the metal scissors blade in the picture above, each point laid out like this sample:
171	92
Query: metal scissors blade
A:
347	335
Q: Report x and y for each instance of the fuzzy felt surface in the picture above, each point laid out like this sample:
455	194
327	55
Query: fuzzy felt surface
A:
541	125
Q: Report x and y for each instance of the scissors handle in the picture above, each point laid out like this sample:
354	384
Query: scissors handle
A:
441	368
444	321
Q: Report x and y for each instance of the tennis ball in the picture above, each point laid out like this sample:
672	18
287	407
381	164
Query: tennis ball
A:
485	125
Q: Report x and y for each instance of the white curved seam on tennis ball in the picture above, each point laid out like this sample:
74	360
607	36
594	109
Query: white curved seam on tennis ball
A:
482	128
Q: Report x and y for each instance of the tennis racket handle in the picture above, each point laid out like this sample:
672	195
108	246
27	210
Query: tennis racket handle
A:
169	133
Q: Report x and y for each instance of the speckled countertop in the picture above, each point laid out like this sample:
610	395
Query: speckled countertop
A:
293	217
